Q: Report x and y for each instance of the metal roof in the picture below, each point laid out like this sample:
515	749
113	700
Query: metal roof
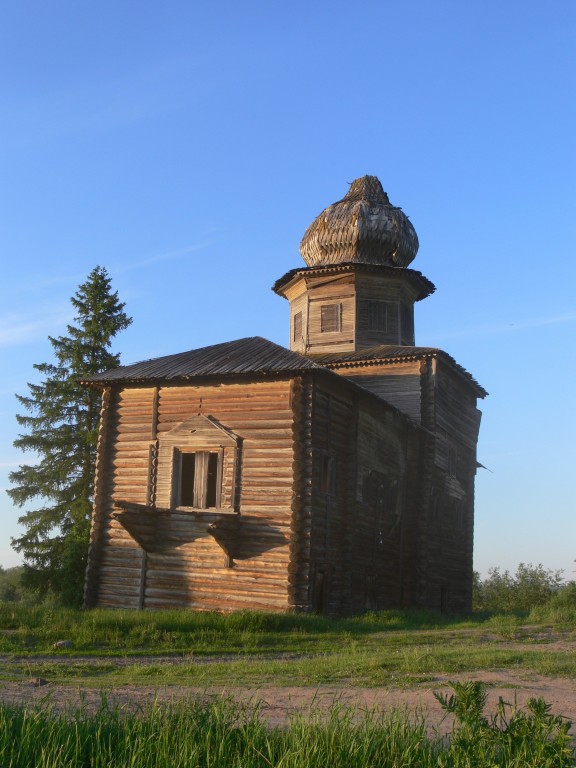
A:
389	353
425	286
258	356
253	355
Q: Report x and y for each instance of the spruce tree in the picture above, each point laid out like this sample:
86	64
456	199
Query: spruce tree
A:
61	428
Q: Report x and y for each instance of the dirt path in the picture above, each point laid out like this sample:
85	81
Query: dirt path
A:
278	704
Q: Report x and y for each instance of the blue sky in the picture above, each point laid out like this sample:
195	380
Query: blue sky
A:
186	147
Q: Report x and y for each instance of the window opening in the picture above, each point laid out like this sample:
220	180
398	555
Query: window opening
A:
199	480
187	473
327	476
211	480
297	328
407	322
377	316
330	318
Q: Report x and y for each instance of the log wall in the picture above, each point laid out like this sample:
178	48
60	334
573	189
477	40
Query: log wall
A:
362	542
397	383
331	501
447	549
187	565
353	291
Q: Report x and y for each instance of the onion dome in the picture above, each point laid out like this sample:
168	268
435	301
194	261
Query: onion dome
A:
363	228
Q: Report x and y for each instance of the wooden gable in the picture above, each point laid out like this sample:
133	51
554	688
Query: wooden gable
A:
202	439
201	430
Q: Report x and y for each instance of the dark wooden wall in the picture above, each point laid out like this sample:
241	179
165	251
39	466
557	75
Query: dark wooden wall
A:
437	546
447	550
398	383
363	497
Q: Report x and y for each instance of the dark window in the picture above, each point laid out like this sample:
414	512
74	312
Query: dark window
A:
331	318
187	474
199	480
377	315
212	480
407	322
297	328
327	475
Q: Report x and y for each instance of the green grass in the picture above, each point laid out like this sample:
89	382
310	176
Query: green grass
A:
391	648
36	629
201	649
225	735
385	666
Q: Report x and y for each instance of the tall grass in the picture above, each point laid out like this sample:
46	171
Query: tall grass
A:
224	735
560	611
36	628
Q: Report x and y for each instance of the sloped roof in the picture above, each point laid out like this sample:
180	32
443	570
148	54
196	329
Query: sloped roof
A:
252	355
390	353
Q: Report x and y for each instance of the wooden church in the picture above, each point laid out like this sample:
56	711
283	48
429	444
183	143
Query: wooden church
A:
336	476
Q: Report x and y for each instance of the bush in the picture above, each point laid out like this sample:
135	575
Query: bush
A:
560	610
11	589
532	585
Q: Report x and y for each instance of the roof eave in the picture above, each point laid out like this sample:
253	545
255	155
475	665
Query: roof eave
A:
398	359
426	287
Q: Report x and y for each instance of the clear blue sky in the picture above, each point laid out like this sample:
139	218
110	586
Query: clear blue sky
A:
186	146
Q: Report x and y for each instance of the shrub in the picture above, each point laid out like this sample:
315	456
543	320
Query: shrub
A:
530	586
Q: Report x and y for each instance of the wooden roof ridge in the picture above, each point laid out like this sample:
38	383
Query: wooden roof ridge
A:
250	355
388	354
427	286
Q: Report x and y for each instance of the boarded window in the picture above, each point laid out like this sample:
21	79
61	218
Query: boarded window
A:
407	323
377	312
331	318
327	474
199	480
297	327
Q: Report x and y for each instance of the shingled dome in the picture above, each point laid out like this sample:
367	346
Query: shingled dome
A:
363	227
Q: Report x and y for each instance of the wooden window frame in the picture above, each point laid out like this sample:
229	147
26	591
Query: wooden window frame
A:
327	479
331	318
406	323
204	489
297	327
377	315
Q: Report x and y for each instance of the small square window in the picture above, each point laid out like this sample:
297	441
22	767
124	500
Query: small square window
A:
377	315
331	318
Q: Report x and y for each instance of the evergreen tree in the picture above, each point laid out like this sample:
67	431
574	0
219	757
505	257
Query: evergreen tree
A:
62	429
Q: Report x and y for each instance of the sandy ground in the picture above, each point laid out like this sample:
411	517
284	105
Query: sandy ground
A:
278	704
